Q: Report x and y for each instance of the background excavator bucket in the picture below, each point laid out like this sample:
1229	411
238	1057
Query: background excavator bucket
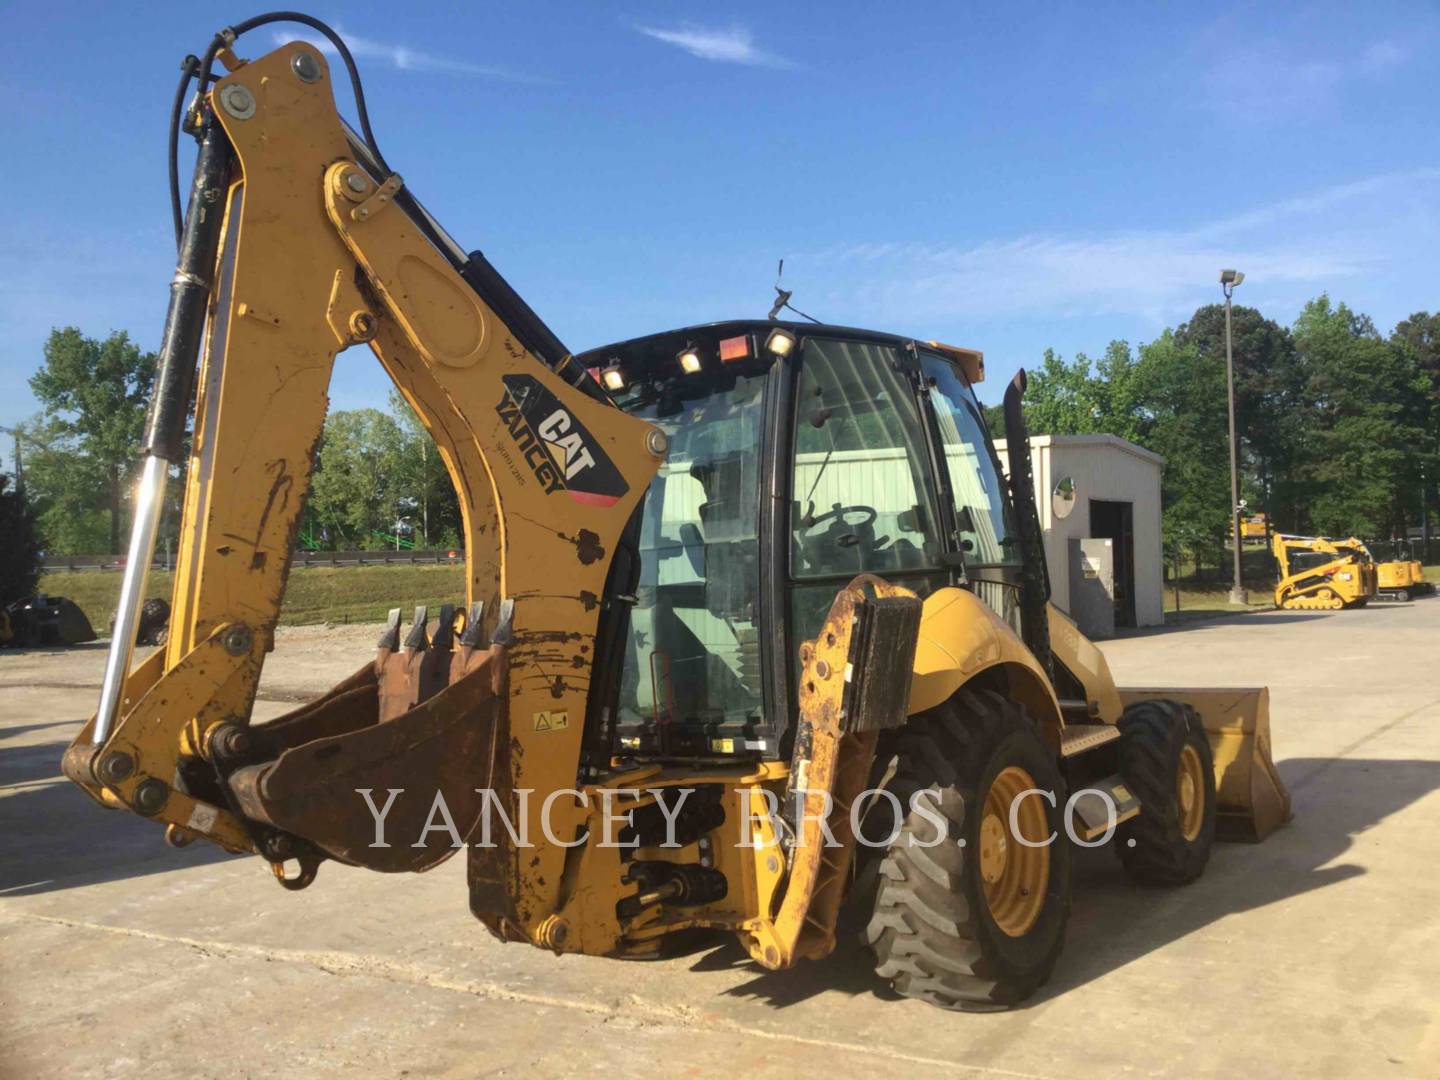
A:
1251	799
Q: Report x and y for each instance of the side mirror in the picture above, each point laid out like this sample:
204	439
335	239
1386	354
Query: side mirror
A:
1062	498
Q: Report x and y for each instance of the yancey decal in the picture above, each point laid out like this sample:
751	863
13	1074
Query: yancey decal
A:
560	452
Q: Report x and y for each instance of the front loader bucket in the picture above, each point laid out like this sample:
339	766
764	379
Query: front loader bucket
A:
1251	800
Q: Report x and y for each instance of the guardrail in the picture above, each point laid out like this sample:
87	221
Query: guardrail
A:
62	563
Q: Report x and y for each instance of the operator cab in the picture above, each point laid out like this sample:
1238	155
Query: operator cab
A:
800	455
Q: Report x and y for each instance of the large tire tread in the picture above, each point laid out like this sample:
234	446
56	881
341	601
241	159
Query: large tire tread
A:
1152	846
929	929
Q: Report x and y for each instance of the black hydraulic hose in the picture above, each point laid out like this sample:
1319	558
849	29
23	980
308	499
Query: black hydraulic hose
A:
189	298
227	37
188	67
479	274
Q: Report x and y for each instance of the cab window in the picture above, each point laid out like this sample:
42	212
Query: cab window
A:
860	487
984	527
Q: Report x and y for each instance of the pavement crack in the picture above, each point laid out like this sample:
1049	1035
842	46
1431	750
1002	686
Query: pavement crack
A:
631	1008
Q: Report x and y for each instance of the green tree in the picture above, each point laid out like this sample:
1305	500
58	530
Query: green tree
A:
1272	412
357	489
68	489
1062	398
1182	409
1167	398
1085	397
94	394
1418	338
1363	433
423	481
19	545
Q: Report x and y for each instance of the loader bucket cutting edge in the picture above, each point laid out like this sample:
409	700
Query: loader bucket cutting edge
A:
1251	799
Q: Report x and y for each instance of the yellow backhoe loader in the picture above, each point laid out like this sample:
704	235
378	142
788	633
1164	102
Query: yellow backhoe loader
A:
1400	576
1320	574
753	624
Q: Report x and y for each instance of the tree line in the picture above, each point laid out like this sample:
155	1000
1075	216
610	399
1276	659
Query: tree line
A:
1338	425
1339	431
378	481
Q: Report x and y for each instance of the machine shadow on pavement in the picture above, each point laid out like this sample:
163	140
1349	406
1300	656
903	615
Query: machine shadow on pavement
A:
1115	922
56	837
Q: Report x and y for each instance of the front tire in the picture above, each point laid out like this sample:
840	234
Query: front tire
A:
975	921
1166	761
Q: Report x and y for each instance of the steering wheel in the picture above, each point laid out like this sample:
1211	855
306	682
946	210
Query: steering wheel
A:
822	549
838	513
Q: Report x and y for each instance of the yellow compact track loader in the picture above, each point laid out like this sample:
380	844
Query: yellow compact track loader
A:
1320	574
753	627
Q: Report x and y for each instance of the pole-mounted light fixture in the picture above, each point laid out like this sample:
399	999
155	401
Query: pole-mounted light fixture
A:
1228	280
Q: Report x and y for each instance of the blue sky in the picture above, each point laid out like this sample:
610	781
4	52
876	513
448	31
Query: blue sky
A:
1002	176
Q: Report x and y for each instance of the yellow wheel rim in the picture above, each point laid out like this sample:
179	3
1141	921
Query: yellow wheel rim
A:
1190	793
1014	876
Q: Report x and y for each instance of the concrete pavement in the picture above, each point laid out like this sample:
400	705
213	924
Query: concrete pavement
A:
1316	953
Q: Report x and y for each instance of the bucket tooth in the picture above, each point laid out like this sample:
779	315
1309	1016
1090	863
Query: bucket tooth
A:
416	640
435	663
444	634
505	625
390	636
473	636
474	643
400	671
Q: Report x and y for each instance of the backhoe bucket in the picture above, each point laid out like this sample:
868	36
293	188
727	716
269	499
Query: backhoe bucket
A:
1251	800
388	770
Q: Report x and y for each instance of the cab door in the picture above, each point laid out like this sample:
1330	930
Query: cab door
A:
862	493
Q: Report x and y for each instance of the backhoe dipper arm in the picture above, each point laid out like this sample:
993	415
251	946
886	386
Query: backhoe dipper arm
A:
301	250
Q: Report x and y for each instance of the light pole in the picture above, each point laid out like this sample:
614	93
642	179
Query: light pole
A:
19	465
1228	280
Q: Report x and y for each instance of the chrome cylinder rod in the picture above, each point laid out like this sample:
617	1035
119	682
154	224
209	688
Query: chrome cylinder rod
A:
149	499
164	437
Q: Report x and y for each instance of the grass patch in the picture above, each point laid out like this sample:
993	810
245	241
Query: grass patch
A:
1201	603
1432	573
321	594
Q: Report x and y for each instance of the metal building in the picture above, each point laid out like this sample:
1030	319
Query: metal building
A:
1099	501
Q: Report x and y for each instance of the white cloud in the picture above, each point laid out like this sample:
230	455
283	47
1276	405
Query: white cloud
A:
733	46
1274	82
1383	55
1309	243
404	58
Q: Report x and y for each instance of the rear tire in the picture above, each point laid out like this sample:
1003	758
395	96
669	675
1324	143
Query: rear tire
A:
1165	760
971	922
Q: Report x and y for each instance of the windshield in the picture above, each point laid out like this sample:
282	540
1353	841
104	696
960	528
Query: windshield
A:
691	675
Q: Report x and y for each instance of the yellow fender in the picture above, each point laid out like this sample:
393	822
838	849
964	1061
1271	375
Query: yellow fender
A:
961	638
